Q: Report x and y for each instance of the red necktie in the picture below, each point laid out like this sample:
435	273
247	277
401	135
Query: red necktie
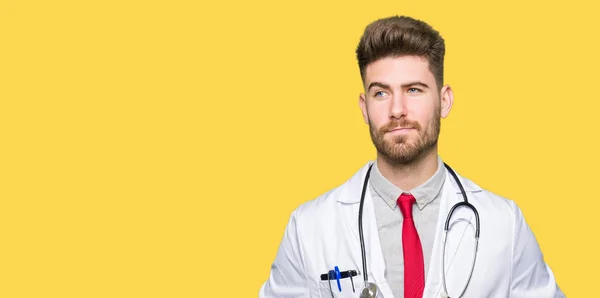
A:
414	272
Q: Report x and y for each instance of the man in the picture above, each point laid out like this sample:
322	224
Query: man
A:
409	194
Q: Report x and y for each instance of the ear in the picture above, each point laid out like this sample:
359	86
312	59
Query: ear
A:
362	102
447	99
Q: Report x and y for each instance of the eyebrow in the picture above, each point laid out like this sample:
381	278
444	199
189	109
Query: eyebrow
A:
386	86
378	84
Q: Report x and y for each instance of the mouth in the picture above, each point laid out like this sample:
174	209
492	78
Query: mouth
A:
400	129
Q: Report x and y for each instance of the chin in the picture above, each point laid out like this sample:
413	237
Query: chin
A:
399	141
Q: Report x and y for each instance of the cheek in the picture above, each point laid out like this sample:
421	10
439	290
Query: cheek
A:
377	117
425	113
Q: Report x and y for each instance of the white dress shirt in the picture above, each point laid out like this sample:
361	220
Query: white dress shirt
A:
389	220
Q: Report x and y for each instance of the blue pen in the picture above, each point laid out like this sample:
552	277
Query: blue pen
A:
338	275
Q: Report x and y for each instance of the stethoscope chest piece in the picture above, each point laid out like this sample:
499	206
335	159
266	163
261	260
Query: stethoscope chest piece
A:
370	290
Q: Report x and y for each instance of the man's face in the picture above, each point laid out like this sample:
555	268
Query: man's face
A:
402	106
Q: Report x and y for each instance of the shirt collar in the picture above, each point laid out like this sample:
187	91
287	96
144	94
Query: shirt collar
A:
424	193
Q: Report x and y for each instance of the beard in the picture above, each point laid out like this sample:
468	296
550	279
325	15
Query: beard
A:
405	149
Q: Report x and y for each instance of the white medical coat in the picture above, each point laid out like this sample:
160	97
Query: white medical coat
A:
323	233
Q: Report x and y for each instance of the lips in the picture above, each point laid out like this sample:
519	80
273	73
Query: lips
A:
400	128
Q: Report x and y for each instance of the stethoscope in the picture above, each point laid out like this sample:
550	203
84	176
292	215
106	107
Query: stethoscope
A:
370	289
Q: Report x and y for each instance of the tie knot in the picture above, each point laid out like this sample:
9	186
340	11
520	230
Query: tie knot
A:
405	202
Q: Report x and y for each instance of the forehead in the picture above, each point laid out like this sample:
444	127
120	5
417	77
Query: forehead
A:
399	70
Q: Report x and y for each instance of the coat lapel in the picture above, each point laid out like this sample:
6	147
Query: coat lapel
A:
459	241
349	201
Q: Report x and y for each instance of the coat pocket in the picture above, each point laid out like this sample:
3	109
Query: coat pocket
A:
349	288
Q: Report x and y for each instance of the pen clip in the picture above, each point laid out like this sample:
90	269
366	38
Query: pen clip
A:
337	277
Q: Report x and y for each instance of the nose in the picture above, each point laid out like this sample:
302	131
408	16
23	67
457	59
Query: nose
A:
398	106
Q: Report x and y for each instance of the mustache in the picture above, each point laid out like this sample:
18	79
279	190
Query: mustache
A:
397	123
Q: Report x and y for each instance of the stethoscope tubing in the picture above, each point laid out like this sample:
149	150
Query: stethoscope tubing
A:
464	203
360	227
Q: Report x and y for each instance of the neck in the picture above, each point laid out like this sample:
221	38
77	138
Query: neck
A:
409	175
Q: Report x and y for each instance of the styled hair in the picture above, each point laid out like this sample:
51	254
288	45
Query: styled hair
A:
401	36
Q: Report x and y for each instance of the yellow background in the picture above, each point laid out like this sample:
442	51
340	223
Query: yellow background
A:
157	148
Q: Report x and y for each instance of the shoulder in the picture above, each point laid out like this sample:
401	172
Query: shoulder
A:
321	206
490	201
326	204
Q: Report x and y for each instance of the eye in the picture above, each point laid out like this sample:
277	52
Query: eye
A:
379	94
414	90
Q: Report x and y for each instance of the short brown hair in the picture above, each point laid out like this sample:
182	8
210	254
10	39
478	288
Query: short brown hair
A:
401	36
